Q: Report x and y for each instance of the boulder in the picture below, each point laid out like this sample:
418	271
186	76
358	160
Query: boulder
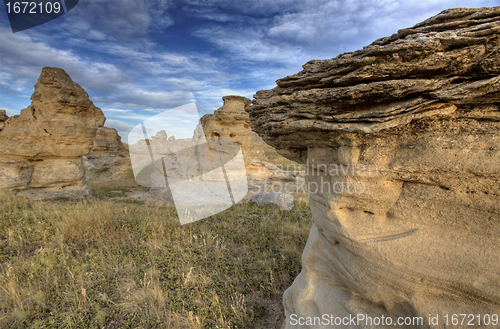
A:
41	149
277	199
401	141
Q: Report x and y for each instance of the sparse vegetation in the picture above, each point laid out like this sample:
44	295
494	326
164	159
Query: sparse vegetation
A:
129	174
104	170
111	192
105	264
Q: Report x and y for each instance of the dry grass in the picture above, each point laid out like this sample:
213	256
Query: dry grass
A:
104	264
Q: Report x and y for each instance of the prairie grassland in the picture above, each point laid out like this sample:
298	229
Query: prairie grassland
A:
110	264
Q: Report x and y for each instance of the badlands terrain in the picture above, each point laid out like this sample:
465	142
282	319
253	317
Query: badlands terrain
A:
398	145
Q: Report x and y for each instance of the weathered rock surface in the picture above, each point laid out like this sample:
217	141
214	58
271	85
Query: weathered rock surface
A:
232	123
106	140
41	149
278	199
402	145
107	156
3	118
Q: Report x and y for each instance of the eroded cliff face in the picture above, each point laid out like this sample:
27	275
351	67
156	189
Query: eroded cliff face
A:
41	149
402	145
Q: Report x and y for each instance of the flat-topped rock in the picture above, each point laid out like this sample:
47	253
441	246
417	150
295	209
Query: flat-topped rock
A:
401	141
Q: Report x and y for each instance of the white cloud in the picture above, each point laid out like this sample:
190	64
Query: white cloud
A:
23	58
320	28
120	19
106	46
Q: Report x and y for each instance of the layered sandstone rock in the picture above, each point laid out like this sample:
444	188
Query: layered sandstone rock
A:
41	149
107	153
402	145
232	123
106	140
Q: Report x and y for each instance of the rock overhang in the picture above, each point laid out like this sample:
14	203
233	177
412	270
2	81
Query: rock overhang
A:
433	69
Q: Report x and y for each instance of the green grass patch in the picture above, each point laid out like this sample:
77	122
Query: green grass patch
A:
129	174
105	192
132	201
104	170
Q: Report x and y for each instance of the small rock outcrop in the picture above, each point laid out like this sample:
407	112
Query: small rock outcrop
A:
401	141
106	141
281	200
232	123
3	118
41	149
107	156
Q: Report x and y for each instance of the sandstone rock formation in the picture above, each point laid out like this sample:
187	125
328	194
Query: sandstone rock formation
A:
232	123
107	153
3	118
106	140
216	140
41	149
402	145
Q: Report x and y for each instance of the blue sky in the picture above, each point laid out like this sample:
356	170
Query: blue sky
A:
138	58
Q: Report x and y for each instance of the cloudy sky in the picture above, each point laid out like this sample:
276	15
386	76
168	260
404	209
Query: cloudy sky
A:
138	58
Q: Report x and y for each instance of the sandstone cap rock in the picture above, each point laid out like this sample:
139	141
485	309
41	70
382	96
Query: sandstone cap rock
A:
427	70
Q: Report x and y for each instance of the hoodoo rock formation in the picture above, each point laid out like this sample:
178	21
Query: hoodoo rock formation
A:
232	123
402	145
41	149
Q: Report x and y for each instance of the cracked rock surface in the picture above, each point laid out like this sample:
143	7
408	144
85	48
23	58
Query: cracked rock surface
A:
41	149
401	140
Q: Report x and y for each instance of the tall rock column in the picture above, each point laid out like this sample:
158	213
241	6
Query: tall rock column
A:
232	123
402	146
41	149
